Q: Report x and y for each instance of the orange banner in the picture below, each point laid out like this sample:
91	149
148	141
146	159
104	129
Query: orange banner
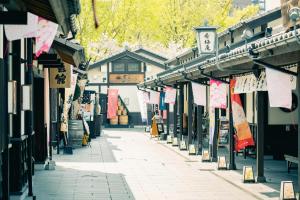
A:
243	133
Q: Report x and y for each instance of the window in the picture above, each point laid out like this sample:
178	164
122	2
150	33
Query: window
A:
133	67
119	67
126	67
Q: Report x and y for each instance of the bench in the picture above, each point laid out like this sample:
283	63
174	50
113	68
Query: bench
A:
290	160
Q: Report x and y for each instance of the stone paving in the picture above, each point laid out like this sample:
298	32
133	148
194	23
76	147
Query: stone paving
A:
127	164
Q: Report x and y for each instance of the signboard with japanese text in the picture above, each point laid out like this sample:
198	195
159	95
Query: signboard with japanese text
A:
126	78
206	40
61	77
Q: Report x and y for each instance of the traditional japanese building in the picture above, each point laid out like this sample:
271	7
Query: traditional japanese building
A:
24	83
246	49
123	71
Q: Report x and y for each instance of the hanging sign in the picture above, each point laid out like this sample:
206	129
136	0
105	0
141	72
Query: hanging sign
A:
279	89
206	39
17	32
261	82
170	95
143	105
112	104
218	92
162	103
243	134
154	97
61	77
199	93
45	35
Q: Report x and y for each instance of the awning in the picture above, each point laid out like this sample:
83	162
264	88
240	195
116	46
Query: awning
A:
69	52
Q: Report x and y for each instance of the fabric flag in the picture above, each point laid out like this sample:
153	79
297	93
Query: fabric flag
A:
162	104
218	92
279	88
17	32
170	95
199	93
143	105
211	125
154	97
164	114
146	97
45	35
243	134
112	104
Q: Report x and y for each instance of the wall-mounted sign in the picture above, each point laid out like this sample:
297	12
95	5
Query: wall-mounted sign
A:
12	97
126	78
26	97
61	77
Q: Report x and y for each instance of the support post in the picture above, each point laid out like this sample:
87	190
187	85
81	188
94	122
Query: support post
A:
175	112
214	156
190	113
29	114
298	88
181	110
260	138
168	118
199	129
232	165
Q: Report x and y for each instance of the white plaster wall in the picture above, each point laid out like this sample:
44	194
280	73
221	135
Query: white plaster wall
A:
96	75
277	117
271	4
130	93
152	70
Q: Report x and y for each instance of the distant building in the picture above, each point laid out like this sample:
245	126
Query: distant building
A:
244	3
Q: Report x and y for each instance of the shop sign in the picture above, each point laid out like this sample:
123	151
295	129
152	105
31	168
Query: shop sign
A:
61	77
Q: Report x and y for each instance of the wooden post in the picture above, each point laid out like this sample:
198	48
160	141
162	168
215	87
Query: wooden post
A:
190	113
175	117
298	88
260	138
232	165
199	129
214	156
168	118
181	109
29	115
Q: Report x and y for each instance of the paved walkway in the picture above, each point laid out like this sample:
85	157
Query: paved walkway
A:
129	165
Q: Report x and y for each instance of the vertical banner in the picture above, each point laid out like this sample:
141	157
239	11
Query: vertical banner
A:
218	92
162	104
211	124
243	134
199	93
143	105
154	97
112	103
146	97
45	35
279	89
170	95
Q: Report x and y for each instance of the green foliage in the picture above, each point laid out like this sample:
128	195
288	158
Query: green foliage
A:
149	22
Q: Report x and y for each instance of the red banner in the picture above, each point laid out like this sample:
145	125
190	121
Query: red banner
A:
112	104
243	136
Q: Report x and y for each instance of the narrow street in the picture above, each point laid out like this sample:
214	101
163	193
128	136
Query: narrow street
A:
130	165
